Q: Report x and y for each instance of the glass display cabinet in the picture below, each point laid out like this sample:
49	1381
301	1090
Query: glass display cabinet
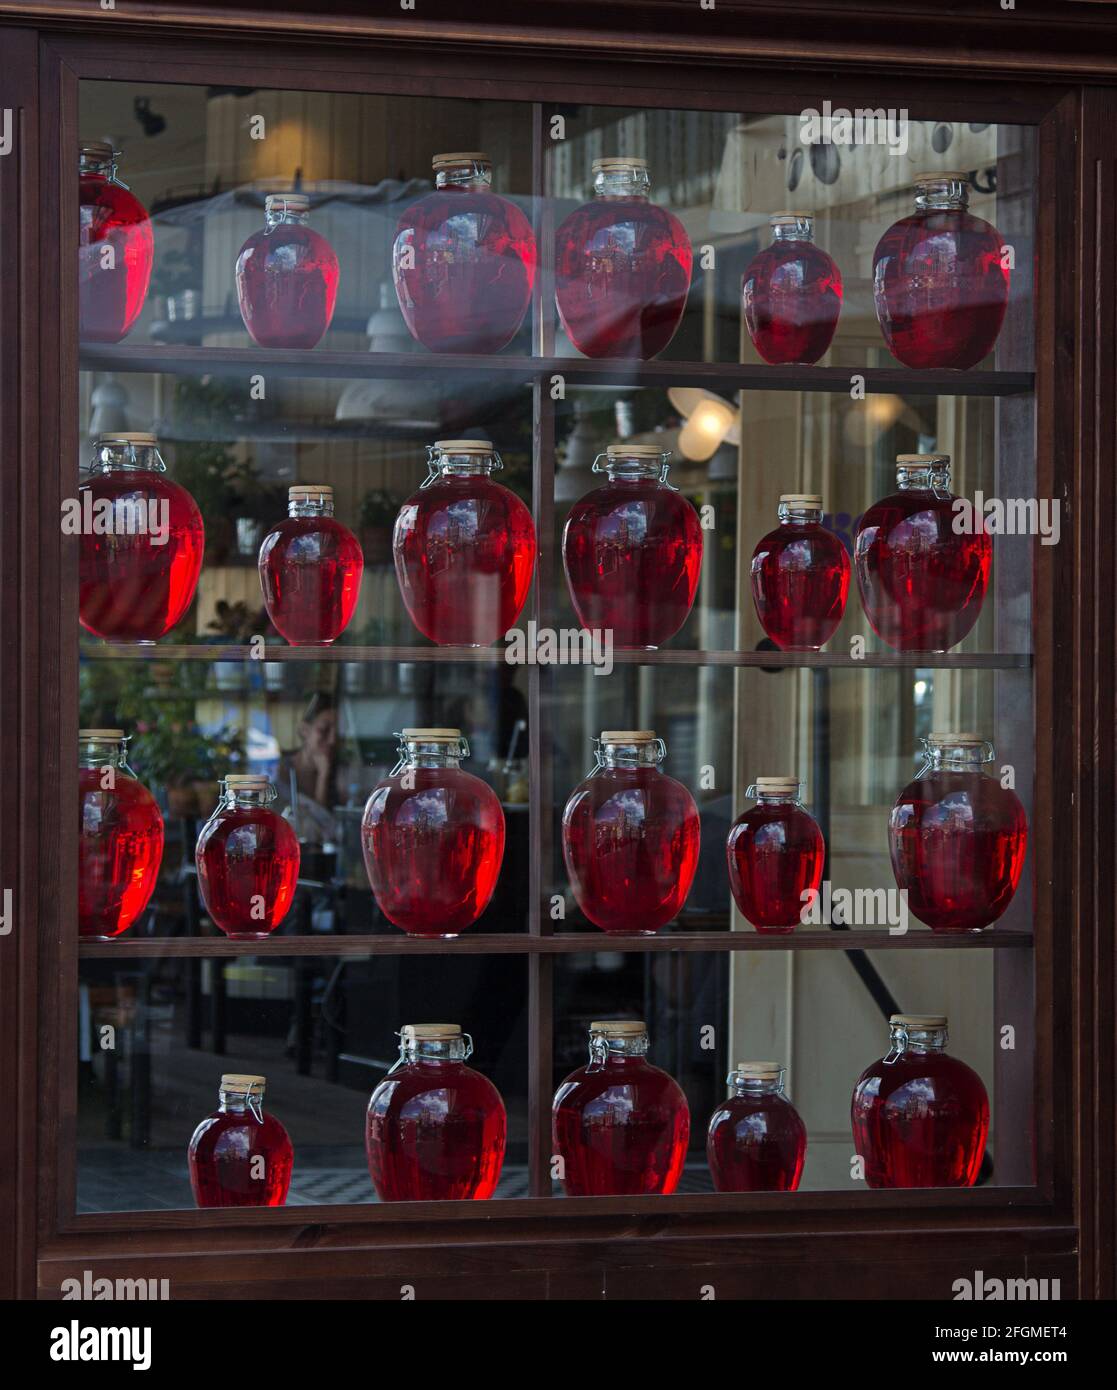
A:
583	572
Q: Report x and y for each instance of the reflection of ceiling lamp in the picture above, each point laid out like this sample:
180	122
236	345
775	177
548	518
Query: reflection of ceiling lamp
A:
710	422
866	421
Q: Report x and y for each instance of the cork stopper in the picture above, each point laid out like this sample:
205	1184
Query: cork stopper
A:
456	157
619	1028
138	440
464	446
801	499
430	1032
785	216
97	149
940	176
628	736
304	492
922	460
431	735
966	740
760	1071
918	1022
775	786
618	161
247	781
91	735
291	202
635	451
240	1081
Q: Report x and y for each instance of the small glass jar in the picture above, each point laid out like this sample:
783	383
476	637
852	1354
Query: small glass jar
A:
791	294
632	550
435	1129
800	576
248	860
142	542
239	1156
120	837
756	1141
957	837
287	277
776	856
920	1117
116	248
310	570
464	547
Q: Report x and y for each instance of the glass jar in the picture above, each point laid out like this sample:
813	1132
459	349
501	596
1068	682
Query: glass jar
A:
957	838
622	266
310	570
922	583
756	1141
800	576
248	860
120	837
464	547
142	542
238	1156
433	837
939	279
791	294
464	260
619	1125
287	276
920	1116
630	836
776	856
435	1129
116	248
632	550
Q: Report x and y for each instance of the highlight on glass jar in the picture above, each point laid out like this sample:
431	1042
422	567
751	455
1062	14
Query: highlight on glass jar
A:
239	1156
776	856
310	570
957	837
287	277
120	837
619	1125
435	1129
622	266
791	294
920	1117
922	583
756	1141
432	837
630	836
248	860
940	282
464	547
800	576
464	260
632	550
142	542
116	248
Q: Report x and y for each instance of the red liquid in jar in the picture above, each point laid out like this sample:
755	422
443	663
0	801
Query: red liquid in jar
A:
115	253
958	841
287	277
225	1161
632	551
248	866
920	1121
120	848
756	1143
310	573
130	588
800	581
464	550
621	1129
435	1131
776	854
433	849
791	299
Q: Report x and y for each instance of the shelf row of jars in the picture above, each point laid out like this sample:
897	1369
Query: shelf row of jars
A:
464	548
433	837
436	1129
464	262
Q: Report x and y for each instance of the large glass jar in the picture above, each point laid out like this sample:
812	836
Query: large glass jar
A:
142	542
248	860
310	570
632	550
622	266
920	1116
756	1141
630	836
287	276
922	582
791	294
800	576
619	1125
957	837
238	1156
433	837
776	856
464	547
464	260
120	837
435	1129
939	279
115	248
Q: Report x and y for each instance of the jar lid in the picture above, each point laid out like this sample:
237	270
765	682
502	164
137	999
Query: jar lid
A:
967	740
297	202
923	460
418	1032
801	499
620	1028
141	440
776	784
635	451
99	149
618	161
918	1021
247	780
767	1071
443	161
304	490
628	736
464	446
431	735
87	735
239	1081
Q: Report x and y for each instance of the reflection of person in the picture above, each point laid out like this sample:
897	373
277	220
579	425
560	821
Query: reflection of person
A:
307	779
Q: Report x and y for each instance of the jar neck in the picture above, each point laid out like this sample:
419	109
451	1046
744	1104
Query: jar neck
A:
97	165
942	195
799	229
104	753
774	798
607	1051
790	514
434	1051
916	1041
245	799
622	181
622	468
465	466
923	477
645	754
114	458
243	1103
414	753
956	757
309	506
278	217
471	175
752	1086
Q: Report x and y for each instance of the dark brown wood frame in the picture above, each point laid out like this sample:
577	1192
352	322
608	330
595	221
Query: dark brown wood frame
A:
800	1244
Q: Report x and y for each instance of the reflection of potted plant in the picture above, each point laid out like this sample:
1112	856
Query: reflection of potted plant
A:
379	510
235	625
256	504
